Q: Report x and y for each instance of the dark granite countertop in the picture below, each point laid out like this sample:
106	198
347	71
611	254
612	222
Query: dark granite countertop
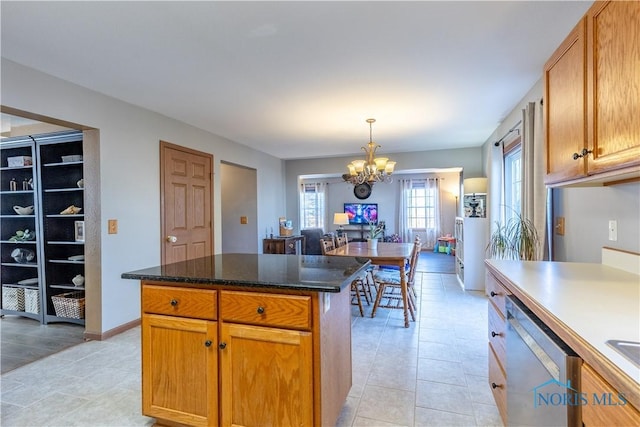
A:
295	272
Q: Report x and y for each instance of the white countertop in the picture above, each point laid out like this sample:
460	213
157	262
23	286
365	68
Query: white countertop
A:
596	302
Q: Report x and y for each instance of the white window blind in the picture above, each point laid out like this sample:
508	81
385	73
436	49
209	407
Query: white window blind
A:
312	205
513	183
421	206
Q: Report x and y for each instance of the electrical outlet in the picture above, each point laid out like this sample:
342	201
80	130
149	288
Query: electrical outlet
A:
613	230
560	226
113	226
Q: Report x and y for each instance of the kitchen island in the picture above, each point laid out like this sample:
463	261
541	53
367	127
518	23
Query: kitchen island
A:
247	339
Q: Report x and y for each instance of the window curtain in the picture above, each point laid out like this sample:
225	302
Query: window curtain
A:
432	233
496	186
323	189
403	222
534	192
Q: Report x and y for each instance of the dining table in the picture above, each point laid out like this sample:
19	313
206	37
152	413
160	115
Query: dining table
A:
384	253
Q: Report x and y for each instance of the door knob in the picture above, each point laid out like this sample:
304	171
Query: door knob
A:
172	239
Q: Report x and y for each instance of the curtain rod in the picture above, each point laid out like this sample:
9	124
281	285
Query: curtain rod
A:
497	143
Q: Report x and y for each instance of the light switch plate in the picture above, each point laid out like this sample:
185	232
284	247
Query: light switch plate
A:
560	226
613	230
244	220
113	226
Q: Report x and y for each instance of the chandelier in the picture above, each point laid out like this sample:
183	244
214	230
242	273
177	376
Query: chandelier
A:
372	169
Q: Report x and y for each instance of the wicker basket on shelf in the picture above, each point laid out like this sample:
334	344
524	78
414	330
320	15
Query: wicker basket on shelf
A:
70	304
13	298
32	301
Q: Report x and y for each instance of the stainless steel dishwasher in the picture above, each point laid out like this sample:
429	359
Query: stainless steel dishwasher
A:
543	373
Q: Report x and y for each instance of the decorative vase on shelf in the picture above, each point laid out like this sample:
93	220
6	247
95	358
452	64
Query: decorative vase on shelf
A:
372	243
78	280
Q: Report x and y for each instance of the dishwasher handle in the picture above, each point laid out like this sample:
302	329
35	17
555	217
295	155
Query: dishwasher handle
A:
535	348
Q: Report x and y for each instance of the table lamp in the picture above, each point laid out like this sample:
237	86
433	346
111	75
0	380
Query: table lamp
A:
340	219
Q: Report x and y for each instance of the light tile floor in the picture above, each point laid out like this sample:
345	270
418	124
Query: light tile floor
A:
431	374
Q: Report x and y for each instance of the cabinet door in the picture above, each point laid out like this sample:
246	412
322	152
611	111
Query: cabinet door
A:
180	369
273	246
290	247
266	376
614	85
565	108
611	410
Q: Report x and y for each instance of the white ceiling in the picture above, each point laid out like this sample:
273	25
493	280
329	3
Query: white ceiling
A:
298	79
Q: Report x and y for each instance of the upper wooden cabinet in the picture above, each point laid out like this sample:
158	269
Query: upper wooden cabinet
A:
565	107
592	98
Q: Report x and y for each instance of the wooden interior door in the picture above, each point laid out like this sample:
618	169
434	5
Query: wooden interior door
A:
186	211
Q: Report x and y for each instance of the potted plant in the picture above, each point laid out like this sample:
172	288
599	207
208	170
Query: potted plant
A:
374	232
517	239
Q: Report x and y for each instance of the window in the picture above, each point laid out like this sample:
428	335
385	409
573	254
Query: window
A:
312	203
421	206
513	182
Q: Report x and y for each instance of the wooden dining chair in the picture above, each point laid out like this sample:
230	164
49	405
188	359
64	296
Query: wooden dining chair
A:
357	285
327	245
388	283
341	241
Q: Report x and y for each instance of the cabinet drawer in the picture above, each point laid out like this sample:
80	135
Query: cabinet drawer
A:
496	293
498	384
612	412
183	302
497	332
286	311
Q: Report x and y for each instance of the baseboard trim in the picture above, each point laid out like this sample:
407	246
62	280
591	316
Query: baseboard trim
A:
112	332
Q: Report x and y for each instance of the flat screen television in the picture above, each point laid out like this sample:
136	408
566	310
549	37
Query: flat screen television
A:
361	213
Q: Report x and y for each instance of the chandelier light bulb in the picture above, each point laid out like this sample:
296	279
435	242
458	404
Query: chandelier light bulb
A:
358	165
389	167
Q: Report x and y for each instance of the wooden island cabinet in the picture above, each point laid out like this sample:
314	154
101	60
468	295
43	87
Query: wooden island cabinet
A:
179	354
232	347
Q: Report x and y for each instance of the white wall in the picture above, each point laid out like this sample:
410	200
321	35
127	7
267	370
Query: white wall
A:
239	198
129	167
586	210
386	195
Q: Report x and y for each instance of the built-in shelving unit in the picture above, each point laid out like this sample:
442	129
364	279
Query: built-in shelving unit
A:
51	182
21	280
62	188
471	243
